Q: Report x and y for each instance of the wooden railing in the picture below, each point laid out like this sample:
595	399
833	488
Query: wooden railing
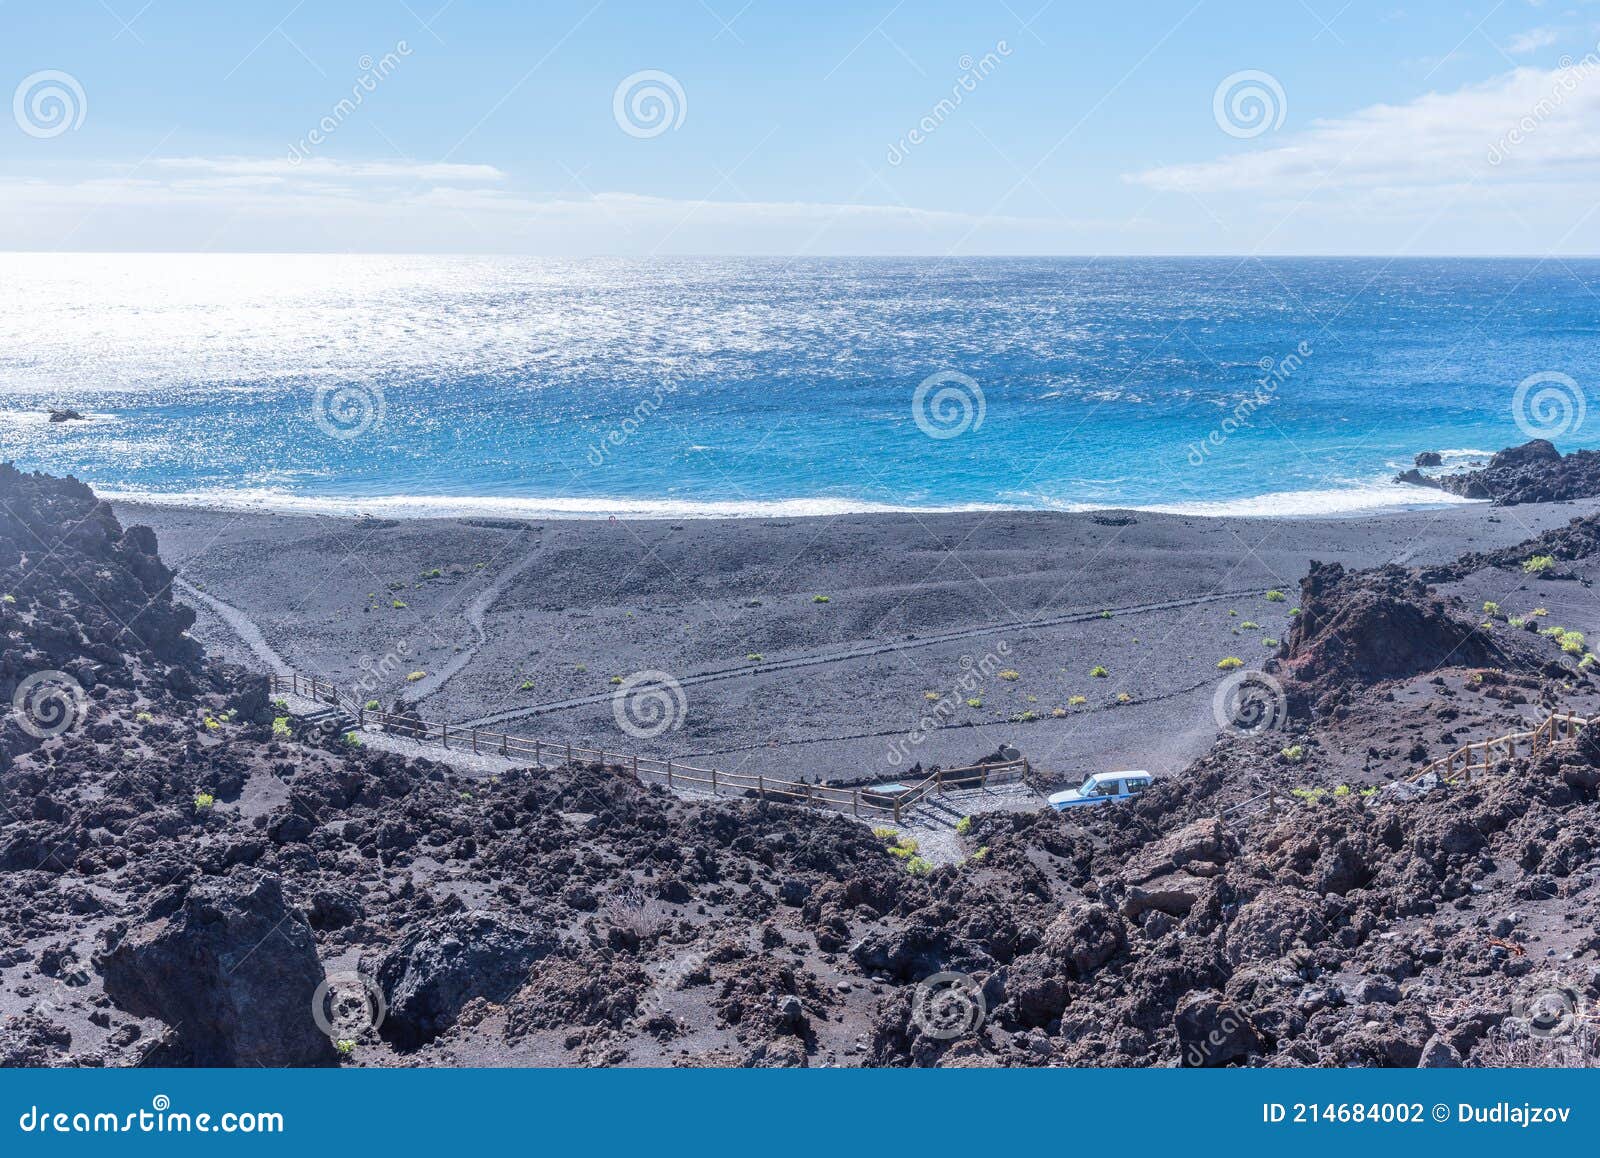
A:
674	774
1556	727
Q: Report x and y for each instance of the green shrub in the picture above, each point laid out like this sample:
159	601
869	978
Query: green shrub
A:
931	697
1539	564
919	867
1230	663
1124	698
1249	625
885	834
753	657
1538	613
413	677
1342	791
820	599
351	740
1077	701
964	826
1310	795
1009	674
203	801
1276	597
372	706
1098	672
432	573
8	598
1058	713
1105	615
281	729
974	702
981	854
1269	642
1491	608
145	718
345	1046
1517	622
615	680
1294	753
398	604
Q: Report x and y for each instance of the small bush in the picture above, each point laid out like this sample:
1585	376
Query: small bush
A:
1105	615
373	706
753	657
931	697
1124	698
1538	613
1539	564
1276	597
345	1046
885	834
1230	663
919	867
1098	672
351	740
525	686
1517	622
1249	625
1077	701
413	677
203	801
433	573
1491	608
212	724
615	680
964	826
281	729
1269	642
145	718
398	604
820	599
974	702
1294	753
1009	674
1058	713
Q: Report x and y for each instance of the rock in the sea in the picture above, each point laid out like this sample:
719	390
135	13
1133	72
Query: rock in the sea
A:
443	964
64	414
232	972
1429	458
1535	472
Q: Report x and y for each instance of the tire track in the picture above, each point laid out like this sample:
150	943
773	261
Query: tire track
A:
474	612
864	652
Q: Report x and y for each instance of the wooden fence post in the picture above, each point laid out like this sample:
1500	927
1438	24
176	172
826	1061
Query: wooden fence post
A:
855	803
938	780
569	751
897	810
636	765
669	771
474	741
713	781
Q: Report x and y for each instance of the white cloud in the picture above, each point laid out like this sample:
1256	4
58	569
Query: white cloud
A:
1528	124
1533	40
326	168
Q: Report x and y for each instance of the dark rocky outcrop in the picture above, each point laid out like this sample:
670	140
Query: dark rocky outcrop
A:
232	972
1535	472
1429	458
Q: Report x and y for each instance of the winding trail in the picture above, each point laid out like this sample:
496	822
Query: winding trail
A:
863	652
474	612
243	626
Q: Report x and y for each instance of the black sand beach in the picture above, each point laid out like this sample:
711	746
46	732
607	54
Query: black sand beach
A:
524	625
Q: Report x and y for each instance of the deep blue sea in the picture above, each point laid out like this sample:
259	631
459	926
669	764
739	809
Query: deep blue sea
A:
419	385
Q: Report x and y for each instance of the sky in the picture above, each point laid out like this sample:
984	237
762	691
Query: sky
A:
923	127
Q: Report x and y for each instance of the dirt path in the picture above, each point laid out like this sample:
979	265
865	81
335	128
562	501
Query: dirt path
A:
430	685
864	652
243	626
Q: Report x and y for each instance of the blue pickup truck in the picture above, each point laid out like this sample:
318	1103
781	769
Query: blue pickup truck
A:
1102	788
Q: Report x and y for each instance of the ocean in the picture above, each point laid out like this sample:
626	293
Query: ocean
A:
675	388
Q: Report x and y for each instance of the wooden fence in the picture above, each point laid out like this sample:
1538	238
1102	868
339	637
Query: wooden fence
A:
674	774
1457	765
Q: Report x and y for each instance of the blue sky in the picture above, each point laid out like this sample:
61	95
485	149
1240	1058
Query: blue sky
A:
823	128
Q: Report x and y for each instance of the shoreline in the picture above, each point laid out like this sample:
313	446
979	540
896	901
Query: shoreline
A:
1358	502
